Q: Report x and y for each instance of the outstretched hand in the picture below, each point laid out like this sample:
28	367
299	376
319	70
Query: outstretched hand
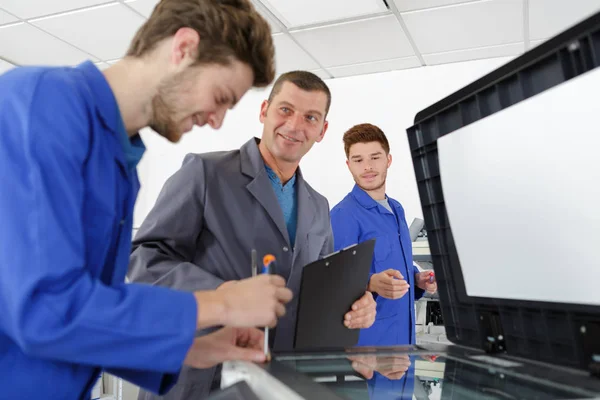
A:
389	284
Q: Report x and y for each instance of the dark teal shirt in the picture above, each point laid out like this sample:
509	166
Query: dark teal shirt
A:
133	148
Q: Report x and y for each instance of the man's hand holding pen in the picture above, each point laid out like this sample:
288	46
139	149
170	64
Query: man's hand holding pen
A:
239	306
256	301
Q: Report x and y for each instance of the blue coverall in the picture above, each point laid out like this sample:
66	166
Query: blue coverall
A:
358	218
68	186
383	388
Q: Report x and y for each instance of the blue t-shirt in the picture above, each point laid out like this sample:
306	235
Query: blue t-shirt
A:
286	196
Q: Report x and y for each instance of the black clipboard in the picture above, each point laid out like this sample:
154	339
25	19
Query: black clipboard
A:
328	289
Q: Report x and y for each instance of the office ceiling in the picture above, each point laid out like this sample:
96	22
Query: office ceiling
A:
334	38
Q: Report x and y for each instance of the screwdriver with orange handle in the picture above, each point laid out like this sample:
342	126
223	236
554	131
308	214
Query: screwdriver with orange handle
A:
269	267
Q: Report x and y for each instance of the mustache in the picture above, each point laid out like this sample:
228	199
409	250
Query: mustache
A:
290	133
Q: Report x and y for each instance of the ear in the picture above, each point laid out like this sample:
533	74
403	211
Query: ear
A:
348	164
263	110
389	157
322	135
184	49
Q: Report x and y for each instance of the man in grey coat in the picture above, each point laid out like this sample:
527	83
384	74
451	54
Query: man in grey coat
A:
221	205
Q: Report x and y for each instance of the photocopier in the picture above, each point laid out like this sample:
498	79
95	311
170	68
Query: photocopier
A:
508	173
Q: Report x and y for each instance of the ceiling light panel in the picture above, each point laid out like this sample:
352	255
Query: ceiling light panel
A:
307	12
550	17
6	18
144	7
37	8
40	47
103	31
465	26
356	42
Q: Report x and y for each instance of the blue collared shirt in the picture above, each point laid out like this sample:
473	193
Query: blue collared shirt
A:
68	189
286	196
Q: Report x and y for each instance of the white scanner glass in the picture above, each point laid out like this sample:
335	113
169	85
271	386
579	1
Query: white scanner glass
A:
522	193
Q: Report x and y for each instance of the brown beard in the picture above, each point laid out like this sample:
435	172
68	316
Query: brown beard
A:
161	121
162	111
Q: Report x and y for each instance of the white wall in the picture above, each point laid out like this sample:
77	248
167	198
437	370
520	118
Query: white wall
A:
389	100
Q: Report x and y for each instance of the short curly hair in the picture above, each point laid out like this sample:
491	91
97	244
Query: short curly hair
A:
365	133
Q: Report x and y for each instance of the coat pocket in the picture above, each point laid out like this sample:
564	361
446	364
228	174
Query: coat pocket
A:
383	249
314	244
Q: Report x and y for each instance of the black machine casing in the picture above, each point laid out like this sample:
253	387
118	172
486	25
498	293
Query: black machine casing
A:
562	334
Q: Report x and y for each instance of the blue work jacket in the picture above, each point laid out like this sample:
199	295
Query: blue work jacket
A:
358	218
66	208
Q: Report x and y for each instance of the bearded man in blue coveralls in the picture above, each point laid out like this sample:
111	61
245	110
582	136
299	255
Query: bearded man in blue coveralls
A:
68	153
366	213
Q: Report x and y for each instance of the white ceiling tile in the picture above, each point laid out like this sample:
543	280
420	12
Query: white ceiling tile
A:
36	8
547	18
505	50
88	29
261	10
144	7
306	12
373	67
6	18
535	43
411	5
289	56
41	48
263	90
5	66
321	74
369	40
102	65
477	24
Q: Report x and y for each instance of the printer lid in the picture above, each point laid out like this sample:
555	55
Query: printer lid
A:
508	175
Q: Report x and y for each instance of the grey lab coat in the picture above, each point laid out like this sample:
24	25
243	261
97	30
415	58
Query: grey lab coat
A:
208	217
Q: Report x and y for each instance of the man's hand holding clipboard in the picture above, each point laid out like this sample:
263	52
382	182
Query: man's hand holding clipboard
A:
362	314
334	303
